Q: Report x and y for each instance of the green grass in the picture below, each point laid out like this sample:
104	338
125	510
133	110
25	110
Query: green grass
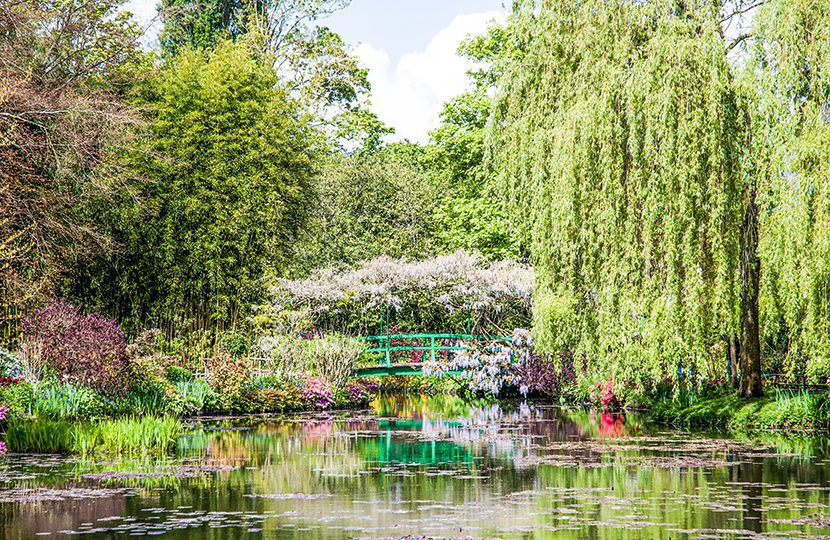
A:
122	436
793	410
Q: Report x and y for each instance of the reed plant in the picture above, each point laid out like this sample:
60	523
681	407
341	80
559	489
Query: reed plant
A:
127	436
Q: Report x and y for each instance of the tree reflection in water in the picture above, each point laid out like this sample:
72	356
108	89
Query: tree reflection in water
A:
436	466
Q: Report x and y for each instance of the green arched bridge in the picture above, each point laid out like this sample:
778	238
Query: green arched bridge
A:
429	346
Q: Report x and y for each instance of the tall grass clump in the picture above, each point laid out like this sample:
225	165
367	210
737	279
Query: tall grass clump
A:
122	436
67	402
128	436
41	436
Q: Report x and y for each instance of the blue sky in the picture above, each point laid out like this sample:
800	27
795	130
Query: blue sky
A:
409	48
402	26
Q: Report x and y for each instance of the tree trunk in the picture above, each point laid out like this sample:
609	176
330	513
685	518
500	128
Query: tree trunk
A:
733	355
750	269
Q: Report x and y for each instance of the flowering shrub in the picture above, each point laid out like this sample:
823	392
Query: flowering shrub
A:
439	293
11	364
86	349
488	368
317	393
283	355
359	391
6	381
603	394
227	375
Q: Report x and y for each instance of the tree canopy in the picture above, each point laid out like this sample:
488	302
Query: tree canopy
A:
618	140
220	191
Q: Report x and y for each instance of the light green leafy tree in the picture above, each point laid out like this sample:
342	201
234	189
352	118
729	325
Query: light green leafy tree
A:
618	137
221	188
470	215
790	71
313	60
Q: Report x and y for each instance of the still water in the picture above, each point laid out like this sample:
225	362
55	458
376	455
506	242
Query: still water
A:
437	467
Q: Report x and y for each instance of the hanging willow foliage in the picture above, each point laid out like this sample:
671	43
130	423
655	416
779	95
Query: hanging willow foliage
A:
791	70
618	136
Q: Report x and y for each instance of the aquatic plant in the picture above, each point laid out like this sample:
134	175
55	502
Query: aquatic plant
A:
123	436
39	436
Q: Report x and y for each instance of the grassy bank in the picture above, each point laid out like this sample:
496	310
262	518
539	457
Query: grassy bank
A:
790	410
122	436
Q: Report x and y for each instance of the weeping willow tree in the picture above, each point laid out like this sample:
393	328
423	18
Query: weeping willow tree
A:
619	139
790	68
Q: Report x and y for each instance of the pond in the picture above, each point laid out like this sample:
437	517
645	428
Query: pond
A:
438	467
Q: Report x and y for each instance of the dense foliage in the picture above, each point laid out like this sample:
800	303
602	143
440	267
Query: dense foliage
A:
370	205
63	68
791	69
221	191
666	178
618	140
85	349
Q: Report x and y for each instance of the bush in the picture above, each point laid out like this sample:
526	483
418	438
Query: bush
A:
284	356
146	357
227	376
85	349
539	375
317	393
192	397
356	392
176	374
234	343
334	358
284	398
19	397
11	365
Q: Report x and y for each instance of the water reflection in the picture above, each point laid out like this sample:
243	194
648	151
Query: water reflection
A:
433	466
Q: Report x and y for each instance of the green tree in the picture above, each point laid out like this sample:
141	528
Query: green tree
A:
313	60
618	138
64	66
371	204
790	71
221	190
470	215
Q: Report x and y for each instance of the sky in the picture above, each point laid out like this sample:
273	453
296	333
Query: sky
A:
409	48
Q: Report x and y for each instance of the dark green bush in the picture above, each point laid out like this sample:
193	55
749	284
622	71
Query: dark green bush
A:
176	374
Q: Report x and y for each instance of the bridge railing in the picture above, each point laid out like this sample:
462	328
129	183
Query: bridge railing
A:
430	342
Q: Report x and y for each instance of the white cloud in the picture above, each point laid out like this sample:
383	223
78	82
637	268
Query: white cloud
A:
409	95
